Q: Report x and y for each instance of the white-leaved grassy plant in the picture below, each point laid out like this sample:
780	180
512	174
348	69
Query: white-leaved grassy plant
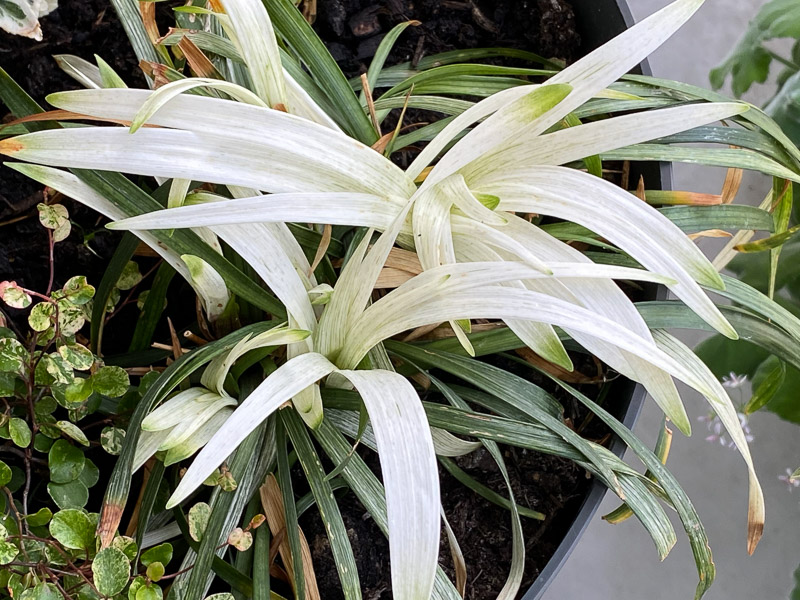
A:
457	206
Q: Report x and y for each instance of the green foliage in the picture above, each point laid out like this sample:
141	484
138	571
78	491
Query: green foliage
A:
750	60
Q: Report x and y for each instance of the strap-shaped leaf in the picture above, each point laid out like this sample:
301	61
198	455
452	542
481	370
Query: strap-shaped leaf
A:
410	476
637	228
289	379
283	137
575	143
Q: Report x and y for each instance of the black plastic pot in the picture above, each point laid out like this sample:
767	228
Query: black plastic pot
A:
599	21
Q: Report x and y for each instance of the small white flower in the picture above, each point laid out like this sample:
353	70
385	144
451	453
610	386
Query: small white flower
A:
733	381
717	429
791	482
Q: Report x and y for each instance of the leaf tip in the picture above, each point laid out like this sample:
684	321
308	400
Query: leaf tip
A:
10	147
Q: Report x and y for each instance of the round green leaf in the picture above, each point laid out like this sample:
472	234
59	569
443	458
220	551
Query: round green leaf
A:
8	384
41	317
40	518
111	381
12	355
111	438
73	529
73	431
66	462
161	553
77	391
111	570
20	432
149	592
77	356
71	318
90	474
138	583
13	295
130	276
57	368
46	405
42	443
126	544
42	591
198	518
8	552
77	291
155	571
5	473
52	216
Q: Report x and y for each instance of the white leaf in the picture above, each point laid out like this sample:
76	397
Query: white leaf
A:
303	156
624	220
82	71
249	27
183	405
212	289
334	208
217	370
575	143
289	379
410	476
708	385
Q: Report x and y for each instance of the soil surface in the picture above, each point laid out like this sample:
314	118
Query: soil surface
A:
352	30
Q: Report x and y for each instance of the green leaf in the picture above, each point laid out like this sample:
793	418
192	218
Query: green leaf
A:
111	438
42	591
770	243
129	277
41	315
40	518
69	495
13	295
161	553
8	384
768	379
111	381
77	391
71	318
5	473
127	545
73	431
199	515
12	355
784	403
77	290
8	552
20	432
90	474
111	570
66	462
297	33
76	356
222	596
55	217
155	571
73	529
149	592
137	584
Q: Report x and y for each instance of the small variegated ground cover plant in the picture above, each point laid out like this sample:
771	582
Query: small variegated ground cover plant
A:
63	409
282	200
21	17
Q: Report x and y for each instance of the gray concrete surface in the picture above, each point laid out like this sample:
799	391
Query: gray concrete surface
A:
618	562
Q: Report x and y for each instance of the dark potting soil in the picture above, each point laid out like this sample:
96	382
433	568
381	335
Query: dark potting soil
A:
352	29
83	28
